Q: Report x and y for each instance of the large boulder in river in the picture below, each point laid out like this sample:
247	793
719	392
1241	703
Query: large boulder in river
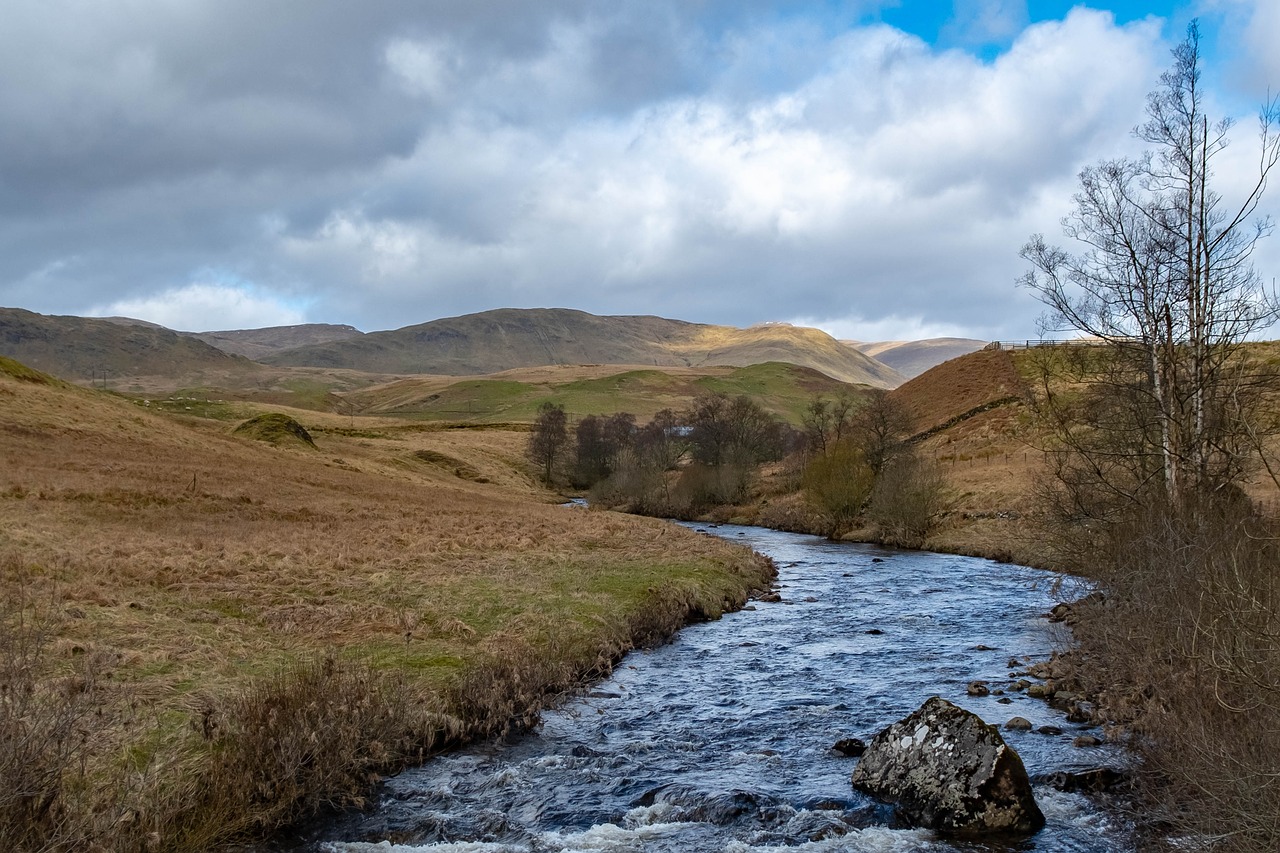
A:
943	768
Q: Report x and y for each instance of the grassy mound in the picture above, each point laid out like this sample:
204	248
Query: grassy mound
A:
456	467
275	428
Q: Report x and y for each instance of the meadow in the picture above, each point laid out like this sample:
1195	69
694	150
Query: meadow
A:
205	636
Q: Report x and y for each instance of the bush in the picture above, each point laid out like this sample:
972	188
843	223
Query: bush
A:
51	723
702	487
908	498
1186	648
314	736
837	484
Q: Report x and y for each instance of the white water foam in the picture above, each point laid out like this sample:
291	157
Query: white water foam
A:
874	839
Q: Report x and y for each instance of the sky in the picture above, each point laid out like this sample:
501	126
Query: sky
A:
869	167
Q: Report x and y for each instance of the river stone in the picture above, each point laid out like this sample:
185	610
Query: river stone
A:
850	746
943	768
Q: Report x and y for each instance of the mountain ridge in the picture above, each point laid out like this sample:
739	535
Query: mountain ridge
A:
506	338
912	358
483	343
89	348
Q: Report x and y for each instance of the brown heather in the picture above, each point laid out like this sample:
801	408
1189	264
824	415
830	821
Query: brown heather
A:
203	637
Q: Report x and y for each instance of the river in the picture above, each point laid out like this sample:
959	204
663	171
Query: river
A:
721	740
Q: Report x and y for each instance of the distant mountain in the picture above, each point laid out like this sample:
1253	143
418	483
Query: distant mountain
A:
260	343
508	338
84	349
911	358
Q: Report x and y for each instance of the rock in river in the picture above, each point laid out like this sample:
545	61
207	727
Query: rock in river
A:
944	768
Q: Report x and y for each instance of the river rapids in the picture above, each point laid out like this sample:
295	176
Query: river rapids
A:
721	740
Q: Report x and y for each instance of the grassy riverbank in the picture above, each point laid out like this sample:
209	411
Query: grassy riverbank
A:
205	636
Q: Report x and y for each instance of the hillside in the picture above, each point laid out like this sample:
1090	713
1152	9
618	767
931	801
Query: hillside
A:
509	338
82	349
911	358
960	387
260	343
194	611
514	395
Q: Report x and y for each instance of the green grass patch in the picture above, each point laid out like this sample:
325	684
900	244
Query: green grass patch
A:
783	389
276	429
196	403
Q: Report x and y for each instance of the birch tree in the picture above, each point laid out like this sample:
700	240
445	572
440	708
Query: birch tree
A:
1165	281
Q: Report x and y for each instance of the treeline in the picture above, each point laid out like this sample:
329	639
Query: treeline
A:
860	469
678	464
851	460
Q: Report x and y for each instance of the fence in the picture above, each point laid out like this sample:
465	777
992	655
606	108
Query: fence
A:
1044	342
986	458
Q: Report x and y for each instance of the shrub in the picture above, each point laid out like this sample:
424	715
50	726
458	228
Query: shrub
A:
1186	646
837	484
50	724
702	487
908	497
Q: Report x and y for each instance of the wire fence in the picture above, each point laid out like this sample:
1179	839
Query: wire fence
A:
986	458
1043	342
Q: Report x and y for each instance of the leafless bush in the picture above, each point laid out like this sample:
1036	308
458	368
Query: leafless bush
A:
50	723
313	736
1188	645
702	487
908	497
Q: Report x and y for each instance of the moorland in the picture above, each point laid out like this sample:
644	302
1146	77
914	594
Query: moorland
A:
217	623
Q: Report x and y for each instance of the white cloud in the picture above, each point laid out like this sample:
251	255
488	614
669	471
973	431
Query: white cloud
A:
205	307
986	21
423	68
899	180
630	158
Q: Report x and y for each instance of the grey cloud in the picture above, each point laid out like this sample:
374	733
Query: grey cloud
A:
682	158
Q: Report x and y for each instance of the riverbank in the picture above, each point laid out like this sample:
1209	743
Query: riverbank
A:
723	738
204	637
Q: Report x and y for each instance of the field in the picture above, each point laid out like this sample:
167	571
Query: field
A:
514	395
191	598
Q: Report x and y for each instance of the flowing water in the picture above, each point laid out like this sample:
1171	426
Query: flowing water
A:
721	741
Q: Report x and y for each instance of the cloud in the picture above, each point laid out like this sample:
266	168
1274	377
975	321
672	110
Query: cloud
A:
206	307
891	328
718	162
898	179
1242	34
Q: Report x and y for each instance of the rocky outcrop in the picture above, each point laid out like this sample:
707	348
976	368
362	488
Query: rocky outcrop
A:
943	768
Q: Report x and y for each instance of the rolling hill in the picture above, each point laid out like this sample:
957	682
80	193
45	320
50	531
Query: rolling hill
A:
509	338
911	358
86	349
260	343
514	395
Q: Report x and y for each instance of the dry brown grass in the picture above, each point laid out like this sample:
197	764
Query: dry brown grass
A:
209	577
1184	651
959	386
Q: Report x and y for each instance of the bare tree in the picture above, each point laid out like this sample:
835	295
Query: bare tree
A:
1165	282
881	428
549	438
736	430
826	422
662	440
